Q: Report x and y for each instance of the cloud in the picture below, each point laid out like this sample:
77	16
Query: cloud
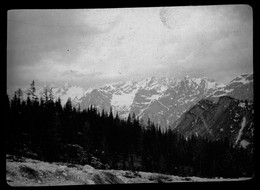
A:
43	39
212	39
95	46
72	73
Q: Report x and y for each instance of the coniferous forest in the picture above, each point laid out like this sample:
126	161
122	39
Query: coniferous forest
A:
41	128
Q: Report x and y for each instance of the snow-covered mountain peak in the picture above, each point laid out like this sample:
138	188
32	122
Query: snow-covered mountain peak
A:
241	88
146	82
157	83
244	78
89	90
66	85
212	85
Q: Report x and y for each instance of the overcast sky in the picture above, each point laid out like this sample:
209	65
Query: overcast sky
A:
92	47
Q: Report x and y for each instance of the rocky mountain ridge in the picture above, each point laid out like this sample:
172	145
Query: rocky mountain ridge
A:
162	99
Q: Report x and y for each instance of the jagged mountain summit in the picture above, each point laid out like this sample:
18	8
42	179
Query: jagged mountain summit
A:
161	99
240	88
164	99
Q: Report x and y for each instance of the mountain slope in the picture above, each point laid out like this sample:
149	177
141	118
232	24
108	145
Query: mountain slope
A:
228	118
240	88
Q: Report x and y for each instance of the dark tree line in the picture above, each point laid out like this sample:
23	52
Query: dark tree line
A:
41	128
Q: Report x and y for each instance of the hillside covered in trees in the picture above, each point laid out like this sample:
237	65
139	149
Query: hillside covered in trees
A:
41	128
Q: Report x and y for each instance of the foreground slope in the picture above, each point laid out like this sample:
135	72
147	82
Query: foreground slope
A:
29	172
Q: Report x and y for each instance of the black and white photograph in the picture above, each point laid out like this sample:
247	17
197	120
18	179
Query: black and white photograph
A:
129	95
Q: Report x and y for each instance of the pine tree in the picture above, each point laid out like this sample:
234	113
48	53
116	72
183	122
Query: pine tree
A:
45	94
51	96
19	93
58	106
68	106
7	102
31	91
111	114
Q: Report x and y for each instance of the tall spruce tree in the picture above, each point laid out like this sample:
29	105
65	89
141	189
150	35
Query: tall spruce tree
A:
31	92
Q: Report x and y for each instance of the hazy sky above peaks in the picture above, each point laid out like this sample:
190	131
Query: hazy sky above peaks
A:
93	47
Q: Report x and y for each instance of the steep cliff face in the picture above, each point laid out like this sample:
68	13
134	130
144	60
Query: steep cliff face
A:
97	99
228	118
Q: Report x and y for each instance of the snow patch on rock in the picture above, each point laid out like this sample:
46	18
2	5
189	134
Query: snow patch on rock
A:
243	124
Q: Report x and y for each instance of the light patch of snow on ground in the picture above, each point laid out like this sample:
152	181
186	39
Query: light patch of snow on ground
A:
127	84
220	85
142	111
163	105
73	92
191	100
241	79
125	115
210	85
244	143
214	85
242	104
154	97
142	83
225	92
162	89
243	124
88	91
160	112
145	103
123	100
197	80
244	81
167	95
54	90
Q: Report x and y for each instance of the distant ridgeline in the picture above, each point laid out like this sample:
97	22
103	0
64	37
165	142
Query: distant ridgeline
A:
212	138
